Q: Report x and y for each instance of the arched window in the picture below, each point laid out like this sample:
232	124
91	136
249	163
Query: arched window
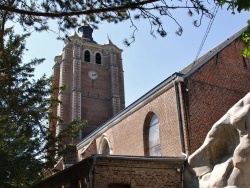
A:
87	56
98	58
104	147
153	137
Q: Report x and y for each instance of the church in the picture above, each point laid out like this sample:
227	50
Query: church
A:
147	143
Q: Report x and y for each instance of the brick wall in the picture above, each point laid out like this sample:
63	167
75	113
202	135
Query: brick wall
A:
205	96
127	136
101	171
95	96
213	89
137	173
87	152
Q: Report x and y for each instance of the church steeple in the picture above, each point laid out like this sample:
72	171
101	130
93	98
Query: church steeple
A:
93	76
94	83
85	31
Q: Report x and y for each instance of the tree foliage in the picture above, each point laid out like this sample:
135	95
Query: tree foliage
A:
31	14
238	5
23	112
246	39
27	145
34	15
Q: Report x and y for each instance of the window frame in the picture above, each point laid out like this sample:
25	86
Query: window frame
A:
104	143
150	124
87	59
99	56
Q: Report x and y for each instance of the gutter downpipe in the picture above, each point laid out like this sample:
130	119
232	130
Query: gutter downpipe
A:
92	165
180	124
176	89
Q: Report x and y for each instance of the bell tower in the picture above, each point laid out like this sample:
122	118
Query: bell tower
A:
92	75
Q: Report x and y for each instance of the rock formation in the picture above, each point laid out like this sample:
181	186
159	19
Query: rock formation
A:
223	160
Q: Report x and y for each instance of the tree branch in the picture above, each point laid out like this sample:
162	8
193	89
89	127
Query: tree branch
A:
75	13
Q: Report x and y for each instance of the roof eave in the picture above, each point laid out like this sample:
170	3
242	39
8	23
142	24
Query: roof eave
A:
193	67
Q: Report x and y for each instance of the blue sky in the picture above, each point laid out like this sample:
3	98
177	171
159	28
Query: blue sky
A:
149	60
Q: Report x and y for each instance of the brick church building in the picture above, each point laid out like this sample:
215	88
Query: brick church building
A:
145	144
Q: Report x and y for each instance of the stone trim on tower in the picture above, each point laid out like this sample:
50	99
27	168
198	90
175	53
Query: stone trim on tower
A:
76	105
62	74
114	74
76	75
76	85
61	84
76	52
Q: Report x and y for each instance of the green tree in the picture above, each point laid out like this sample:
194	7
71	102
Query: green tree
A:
24	104
238	5
246	39
27	145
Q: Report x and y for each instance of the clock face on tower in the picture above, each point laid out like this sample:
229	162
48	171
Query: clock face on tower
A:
92	75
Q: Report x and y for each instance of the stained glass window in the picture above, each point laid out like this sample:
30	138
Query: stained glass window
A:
154	148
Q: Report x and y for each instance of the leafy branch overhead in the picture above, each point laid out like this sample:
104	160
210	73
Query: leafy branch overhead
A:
245	37
239	5
33	14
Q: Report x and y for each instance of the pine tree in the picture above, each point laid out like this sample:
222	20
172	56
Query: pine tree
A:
24	106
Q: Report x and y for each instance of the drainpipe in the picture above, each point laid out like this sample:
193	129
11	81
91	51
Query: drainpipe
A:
92	165
180	123
182	176
178	106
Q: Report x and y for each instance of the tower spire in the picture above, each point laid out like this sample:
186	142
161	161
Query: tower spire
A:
85	31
